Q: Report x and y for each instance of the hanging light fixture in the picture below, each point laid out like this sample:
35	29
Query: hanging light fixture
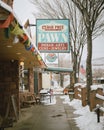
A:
21	68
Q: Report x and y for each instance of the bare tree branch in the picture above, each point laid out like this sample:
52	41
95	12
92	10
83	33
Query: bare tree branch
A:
91	11
65	9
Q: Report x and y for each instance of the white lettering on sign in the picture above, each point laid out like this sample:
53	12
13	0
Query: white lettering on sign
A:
52	37
53	34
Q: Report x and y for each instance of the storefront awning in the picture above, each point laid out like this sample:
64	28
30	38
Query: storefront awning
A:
58	69
15	41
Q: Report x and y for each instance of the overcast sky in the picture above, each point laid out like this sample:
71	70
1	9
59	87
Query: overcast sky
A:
24	9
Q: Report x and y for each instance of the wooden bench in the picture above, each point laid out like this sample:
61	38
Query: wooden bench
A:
36	98
29	100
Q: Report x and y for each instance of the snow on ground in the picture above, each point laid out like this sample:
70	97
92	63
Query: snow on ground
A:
57	90
87	120
49	100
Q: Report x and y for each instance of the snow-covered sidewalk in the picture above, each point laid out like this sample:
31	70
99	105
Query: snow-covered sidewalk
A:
87	120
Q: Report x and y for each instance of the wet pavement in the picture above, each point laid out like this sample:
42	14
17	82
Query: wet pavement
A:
46	117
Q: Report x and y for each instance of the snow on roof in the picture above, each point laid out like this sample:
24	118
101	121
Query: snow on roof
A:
5	6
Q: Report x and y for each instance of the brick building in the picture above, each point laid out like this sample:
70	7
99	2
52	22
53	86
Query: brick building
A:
15	57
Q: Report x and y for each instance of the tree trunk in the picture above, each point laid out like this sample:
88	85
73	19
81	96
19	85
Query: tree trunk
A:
72	81
73	77
89	64
75	69
61	80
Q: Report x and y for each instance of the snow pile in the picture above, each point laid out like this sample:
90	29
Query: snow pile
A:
87	120
95	87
